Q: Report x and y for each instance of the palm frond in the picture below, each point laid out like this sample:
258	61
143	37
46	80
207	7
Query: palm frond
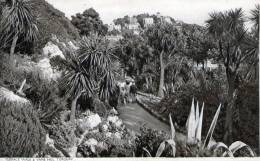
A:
17	19
254	17
76	79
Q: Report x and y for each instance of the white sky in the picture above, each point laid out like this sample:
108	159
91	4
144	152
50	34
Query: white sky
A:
189	11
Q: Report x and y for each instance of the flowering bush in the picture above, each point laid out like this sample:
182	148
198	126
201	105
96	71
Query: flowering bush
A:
109	139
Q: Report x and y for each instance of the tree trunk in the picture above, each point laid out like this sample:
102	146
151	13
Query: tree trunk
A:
13	45
146	82
229	112
161	85
73	108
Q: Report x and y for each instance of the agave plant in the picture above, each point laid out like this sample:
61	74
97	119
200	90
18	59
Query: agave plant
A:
170	141
194	129
194	124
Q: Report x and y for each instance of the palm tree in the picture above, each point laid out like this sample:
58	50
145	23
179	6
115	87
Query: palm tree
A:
17	22
76	81
90	70
229	32
97	57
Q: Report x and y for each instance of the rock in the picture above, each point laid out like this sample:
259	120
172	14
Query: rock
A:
90	122
72	151
73	46
108	134
104	127
115	120
102	145
117	135
87	113
112	119
118	123
47	71
113	111
51	50
79	155
91	143
11	96
50	142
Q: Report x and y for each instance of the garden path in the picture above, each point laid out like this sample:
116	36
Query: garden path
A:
134	117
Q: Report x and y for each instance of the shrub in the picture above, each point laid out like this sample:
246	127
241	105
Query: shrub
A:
246	115
10	77
62	132
150	140
178	104
46	98
107	146
21	133
108	139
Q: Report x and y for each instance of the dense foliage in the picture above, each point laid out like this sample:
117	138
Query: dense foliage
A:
89	21
62	100
21	133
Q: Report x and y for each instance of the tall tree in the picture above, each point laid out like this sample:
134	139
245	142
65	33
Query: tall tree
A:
198	44
89	21
229	31
17	22
122	21
134	54
166	41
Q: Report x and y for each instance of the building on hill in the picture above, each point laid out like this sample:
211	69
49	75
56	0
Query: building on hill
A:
114	38
133	25
208	64
133	20
148	22
112	27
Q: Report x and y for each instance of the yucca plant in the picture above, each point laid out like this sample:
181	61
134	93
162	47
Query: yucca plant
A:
194	129
97	58
76	81
90	71
76	78
16	22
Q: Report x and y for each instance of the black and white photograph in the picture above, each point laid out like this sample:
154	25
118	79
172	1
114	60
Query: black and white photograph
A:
129	78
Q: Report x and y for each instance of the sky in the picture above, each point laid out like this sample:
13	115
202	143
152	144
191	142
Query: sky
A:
188	11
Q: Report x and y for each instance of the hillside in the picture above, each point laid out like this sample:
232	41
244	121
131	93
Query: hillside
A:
52	21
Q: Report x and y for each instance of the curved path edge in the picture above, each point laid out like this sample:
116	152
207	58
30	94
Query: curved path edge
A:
152	112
